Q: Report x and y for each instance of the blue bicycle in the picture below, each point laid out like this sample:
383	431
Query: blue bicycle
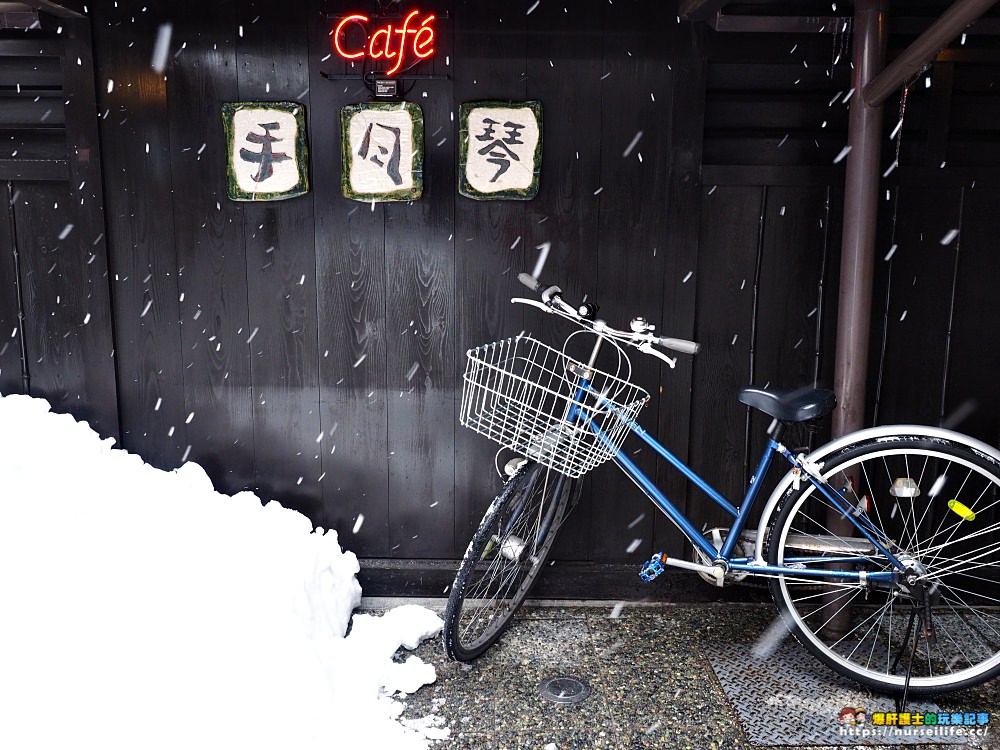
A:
881	549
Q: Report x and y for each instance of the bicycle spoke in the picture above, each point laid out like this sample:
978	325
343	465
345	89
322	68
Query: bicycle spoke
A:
972	632
812	582
977	594
901	489
875	617
939	571
956	525
504	558
974	611
972	535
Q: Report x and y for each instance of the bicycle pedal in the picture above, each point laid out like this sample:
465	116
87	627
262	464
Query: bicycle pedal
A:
652	567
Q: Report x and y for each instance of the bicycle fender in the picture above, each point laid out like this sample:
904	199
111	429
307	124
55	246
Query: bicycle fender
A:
860	436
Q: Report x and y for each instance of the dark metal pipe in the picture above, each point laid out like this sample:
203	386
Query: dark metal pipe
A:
857	258
924	48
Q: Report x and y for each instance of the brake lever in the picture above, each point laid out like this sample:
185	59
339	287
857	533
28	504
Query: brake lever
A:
647	348
533	302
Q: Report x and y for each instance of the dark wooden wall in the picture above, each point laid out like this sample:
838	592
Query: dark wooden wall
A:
311	349
937	338
56	328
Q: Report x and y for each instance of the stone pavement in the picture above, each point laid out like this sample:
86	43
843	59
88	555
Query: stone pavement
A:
654	676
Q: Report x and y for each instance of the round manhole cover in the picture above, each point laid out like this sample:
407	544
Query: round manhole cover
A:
564	689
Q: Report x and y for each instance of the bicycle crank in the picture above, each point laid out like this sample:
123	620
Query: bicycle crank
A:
717	537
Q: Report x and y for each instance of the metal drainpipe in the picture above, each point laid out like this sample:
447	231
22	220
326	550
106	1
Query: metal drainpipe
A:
857	259
860	213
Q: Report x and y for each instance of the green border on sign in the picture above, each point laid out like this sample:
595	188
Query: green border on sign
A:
519	194
236	193
417	144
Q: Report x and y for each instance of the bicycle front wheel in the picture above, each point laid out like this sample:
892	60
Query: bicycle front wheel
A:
505	558
934	504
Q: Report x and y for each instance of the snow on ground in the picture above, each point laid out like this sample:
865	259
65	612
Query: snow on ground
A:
141	609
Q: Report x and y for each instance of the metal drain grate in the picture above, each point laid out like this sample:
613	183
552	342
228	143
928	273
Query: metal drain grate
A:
564	689
791	699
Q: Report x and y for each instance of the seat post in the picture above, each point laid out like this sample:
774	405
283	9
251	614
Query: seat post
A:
776	430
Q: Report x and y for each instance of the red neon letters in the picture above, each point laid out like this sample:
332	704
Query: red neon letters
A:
388	42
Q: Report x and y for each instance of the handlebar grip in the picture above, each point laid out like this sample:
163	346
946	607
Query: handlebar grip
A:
680	345
530	281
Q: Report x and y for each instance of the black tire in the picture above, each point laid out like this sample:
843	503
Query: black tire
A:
504	558
956	557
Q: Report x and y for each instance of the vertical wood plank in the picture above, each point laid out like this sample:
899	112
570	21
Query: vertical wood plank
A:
490	247
911	338
788	305
565	212
788	293
90	262
421	375
632	248
972	401
210	242
11	375
57	294
351	299
685	134
940	115
829	287
281	277
725	278
136	158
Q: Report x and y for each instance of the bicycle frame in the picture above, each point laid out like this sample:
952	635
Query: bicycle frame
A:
740	513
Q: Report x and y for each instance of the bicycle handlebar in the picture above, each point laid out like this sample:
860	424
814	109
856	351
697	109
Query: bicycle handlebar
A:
680	345
529	281
639	336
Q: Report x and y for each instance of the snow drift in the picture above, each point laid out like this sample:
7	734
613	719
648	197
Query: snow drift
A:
142	609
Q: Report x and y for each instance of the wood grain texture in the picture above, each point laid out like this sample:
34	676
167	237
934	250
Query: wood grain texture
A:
421	377
136	158
89	259
633	246
210	243
490	244
724	313
55	283
351	302
281	279
565	213
683	211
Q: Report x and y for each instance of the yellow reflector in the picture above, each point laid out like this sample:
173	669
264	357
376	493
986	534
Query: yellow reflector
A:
961	510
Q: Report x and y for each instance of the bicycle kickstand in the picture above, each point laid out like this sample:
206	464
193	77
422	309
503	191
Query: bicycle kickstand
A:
925	627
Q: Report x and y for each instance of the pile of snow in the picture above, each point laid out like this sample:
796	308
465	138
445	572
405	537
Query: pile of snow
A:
142	609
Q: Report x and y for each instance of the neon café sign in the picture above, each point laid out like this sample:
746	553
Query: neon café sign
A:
394	44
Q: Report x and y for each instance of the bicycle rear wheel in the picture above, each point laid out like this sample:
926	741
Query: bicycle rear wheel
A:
504	558
934	504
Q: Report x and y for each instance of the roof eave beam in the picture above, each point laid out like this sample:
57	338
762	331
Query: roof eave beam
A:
700	10
924	48
61	9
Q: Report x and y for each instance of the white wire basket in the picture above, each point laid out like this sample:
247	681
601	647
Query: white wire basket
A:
520	393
